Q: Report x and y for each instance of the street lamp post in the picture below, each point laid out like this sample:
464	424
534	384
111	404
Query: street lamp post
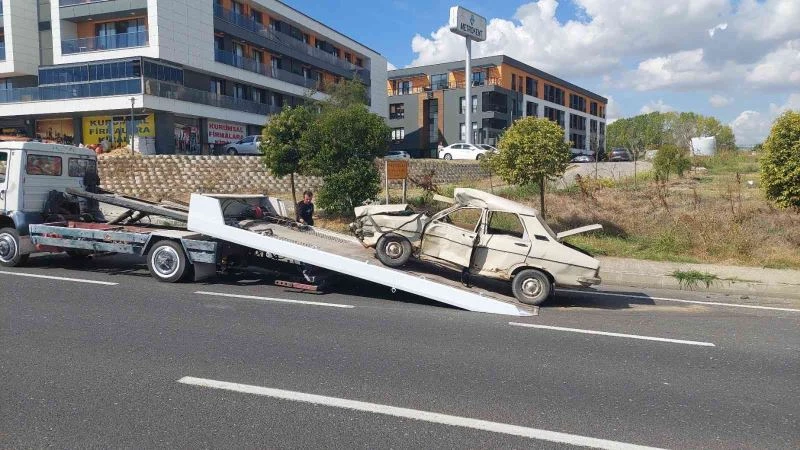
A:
464	22
133	127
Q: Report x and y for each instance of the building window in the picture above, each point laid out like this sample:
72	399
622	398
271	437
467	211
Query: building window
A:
433	121
239	91
398	134
259	96
478	78
531	87
577	122
474	103
256	16
217	86
553	94
577	140
556	115
348	57
360	62
439	81
602	128
462	132
463	104
593	108
577	102
237	7
397	111
593	126
531	109
513	82
474	132
405	87
495	101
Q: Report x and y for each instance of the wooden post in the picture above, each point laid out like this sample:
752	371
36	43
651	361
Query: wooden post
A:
405	190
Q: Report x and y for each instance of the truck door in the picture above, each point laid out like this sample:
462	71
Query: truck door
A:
503	244
452	237
4	157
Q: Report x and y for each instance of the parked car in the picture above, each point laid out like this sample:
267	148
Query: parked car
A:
462	151
620	154
582	159
481	235
488	147
397	154
247	146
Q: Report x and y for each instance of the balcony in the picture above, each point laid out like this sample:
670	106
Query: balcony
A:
408	91
177	92
251	65
102	43
475	83
283	39
71	91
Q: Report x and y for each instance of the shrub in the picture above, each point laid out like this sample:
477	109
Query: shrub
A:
349	187
780	164
670	159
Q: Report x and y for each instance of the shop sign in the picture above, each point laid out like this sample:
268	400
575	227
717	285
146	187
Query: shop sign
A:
115	128
225	132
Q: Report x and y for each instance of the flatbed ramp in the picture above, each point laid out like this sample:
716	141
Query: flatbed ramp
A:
343	254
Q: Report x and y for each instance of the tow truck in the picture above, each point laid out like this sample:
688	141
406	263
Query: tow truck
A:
49	203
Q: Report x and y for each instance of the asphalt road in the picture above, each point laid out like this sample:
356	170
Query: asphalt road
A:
97	365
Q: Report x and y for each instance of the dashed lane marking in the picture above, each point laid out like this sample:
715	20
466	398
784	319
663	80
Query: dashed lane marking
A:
48	277
605	333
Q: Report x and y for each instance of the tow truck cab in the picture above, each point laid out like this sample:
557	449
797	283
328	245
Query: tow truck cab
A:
29	172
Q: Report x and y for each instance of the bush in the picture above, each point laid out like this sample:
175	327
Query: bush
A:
349	187
780	164
670	159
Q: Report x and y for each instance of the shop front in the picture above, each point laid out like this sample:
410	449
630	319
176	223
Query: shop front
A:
187	136
113	131
223	133
58	130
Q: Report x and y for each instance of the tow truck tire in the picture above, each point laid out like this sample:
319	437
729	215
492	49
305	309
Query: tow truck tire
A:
167	262
393	250
9	248
532	287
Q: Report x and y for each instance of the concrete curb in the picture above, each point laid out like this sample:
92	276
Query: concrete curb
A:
732	279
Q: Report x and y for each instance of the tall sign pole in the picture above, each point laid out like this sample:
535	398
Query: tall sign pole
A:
464	22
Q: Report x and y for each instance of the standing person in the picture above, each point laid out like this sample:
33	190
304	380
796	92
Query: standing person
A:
305	209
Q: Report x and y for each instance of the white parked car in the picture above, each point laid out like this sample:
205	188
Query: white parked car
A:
397	154
247	146
482	235
463	151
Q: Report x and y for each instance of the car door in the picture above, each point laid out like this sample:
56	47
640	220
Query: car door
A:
503	244
4	158
451	235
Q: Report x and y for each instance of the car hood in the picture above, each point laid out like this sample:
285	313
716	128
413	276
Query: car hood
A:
369	210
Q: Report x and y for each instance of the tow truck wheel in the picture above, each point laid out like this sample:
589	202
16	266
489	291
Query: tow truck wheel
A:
9	248
167	262
393	250
531	287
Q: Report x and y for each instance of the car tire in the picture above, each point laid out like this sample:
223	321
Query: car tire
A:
479	157
10	249
393	250
167	262
232	152
447	156
532	287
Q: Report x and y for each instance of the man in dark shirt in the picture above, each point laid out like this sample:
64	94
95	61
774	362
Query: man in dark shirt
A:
305	209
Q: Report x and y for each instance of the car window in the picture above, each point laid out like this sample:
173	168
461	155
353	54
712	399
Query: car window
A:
505	223
43	165
3	166
464	218
247	140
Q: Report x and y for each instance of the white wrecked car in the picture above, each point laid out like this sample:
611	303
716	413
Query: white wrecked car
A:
481	234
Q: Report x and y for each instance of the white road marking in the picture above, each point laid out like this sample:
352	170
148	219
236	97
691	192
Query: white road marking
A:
667	299
276	300
414	414
48	277
605	333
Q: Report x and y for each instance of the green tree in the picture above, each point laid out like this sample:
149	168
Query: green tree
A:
531	151
341	146
280	144
344	94
670	159
780	162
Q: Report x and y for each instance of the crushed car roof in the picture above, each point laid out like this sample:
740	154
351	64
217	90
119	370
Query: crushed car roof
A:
480	199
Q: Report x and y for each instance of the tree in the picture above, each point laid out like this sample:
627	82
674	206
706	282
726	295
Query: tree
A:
780	163
655	129
341	147
532	150
670	159
280	145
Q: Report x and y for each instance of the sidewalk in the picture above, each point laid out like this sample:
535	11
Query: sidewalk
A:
732	279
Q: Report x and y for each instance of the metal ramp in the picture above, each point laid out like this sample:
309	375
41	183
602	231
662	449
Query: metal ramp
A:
343	254
169	210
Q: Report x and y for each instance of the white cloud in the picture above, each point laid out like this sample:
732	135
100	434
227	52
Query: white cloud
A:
719	101
752	127
613	111
657	106
685	69
390	66
779	68
721	27
768	20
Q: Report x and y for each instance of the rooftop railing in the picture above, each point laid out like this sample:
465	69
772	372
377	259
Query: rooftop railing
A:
183	93
251	65
100	43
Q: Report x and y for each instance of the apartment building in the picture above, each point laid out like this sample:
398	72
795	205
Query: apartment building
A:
193	74
427	104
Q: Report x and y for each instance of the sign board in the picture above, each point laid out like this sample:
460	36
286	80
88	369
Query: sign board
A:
225	132
468	24
114	129
396	170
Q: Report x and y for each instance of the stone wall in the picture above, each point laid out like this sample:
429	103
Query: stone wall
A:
176	176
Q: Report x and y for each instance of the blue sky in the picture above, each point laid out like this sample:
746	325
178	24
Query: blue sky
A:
737	60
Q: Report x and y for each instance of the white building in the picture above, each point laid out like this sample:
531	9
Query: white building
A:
198	72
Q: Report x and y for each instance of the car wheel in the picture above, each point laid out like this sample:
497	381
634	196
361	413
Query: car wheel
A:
232	151
9	249
479	157
448	156
532	287
393	250
167	262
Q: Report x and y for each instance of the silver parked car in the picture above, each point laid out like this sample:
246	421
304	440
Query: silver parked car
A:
397	154
484	235
247	146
